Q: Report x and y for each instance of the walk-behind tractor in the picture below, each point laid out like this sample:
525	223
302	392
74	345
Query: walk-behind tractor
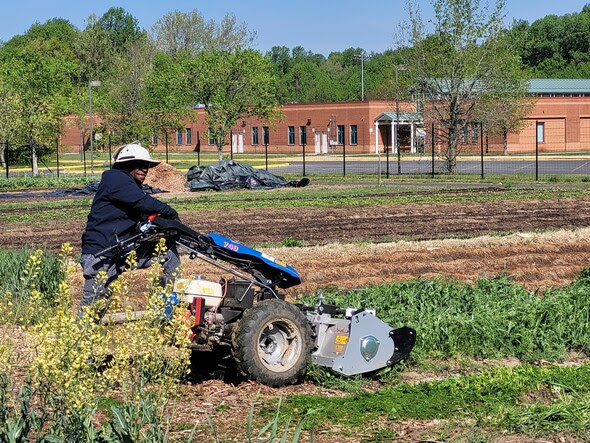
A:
271	340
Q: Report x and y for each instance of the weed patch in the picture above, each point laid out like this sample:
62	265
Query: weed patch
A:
493	318
492	399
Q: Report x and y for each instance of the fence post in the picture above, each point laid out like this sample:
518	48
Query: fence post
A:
198	148
397	147
303	144
432	132
344	156
265	136
166	146
481	143
387	155
536	150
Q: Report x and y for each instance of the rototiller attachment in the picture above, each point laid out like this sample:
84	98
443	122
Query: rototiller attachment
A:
271	340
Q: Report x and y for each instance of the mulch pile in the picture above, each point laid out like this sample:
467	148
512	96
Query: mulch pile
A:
166	178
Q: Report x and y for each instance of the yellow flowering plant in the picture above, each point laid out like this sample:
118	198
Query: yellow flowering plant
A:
78	359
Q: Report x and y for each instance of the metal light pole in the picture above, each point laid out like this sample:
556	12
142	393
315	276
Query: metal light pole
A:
362	57
91	84
363	76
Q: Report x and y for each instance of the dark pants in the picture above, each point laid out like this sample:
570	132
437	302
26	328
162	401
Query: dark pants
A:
94	291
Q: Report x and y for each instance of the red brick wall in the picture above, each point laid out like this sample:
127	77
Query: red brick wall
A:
566	120
360	114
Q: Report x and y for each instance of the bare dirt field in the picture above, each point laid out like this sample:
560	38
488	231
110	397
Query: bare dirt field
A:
549	260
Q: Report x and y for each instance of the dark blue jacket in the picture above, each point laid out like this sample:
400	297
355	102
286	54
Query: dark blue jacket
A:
119	204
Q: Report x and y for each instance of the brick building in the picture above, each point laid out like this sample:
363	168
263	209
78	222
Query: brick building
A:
560	119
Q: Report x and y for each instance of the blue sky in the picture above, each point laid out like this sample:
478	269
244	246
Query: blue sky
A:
318	26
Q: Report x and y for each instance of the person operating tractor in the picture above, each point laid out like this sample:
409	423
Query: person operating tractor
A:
118	206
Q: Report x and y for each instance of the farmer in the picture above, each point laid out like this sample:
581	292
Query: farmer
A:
119	204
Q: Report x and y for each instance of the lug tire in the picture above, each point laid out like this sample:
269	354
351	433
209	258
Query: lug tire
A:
272	343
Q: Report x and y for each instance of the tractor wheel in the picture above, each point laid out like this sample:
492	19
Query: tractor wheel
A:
272	343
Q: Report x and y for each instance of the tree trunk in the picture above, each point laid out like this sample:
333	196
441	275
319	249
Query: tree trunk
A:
34	161
451	155
34	165
219	152
505	142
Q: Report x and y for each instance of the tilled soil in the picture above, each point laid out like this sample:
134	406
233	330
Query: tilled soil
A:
341	224
549	262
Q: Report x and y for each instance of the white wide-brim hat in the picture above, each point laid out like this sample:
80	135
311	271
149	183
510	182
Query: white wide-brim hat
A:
133	152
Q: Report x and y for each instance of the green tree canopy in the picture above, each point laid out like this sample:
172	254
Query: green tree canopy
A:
121	28
232	86
40	67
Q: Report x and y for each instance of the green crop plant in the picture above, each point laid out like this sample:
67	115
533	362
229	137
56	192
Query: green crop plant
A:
42	182
12	267
492	318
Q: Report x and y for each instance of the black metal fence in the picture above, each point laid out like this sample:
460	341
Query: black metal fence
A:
541	153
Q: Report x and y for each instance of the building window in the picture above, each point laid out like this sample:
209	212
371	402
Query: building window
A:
465	134
265	134
254	135
291	135
474	132
189	136
179	136
353	135
340	134
155	137
540	132
302	135
211	139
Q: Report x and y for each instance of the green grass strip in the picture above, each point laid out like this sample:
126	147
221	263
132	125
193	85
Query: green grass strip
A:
298	198
524	399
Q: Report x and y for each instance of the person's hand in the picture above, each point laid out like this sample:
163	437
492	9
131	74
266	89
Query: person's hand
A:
175	217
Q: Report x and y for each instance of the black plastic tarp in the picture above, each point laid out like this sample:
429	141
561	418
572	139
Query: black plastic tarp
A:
229	174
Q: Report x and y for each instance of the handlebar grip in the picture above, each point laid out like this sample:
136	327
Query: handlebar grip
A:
152	217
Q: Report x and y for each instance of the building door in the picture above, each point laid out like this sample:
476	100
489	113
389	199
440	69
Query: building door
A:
237	142
318	141
324	142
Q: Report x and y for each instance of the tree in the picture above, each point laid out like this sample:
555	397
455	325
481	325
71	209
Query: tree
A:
504	106
124	108
10	117
462	61
121	28
230	35
189	32
166	101
41	68
93	51
555	46
232	86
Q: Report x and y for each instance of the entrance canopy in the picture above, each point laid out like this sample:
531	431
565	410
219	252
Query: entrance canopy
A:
405	118
396	121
